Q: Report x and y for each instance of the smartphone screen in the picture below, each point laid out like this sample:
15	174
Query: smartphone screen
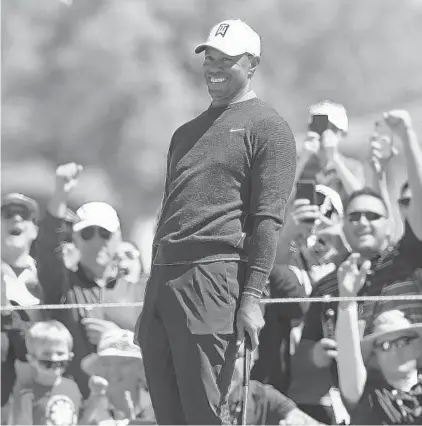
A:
306	190
318	124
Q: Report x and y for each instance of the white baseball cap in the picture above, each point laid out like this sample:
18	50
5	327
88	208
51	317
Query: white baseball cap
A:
233	37
336	113
97	213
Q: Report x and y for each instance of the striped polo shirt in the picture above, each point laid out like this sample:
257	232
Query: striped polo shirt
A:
381	404
391	275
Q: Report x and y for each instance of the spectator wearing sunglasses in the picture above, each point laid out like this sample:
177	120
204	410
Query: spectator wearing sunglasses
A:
367	229
378	375
19	216
42	396
97	236
20	285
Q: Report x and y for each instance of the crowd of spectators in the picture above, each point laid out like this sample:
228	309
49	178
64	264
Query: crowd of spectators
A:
352	362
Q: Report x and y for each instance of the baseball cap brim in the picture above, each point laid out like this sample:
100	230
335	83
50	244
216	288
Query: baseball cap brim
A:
111	227
223	49
21	200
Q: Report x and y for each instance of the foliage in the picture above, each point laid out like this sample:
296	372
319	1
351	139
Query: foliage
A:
106	82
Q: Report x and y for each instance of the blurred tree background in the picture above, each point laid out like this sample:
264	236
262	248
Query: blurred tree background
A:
106	82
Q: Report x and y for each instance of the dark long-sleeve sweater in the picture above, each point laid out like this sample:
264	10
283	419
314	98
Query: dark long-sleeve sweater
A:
230	172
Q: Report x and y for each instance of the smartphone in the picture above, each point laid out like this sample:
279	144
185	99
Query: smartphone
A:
318	124
305	189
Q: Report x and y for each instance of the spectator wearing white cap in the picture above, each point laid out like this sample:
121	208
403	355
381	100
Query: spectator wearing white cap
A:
230	172
96	235
320	158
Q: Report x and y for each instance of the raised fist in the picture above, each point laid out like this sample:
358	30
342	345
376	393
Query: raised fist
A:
67	176
398	121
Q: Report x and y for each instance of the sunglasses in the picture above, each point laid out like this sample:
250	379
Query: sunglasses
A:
404	202
130	254
9	212
400	342
89	232
53	364
370	216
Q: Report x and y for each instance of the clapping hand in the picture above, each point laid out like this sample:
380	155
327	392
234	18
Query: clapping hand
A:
351	277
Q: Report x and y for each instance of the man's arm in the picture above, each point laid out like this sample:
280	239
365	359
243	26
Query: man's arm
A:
163	201
52	273
350	181
351	368
401	124
273	174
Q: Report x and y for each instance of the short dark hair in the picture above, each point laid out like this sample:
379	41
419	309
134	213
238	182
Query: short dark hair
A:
365	191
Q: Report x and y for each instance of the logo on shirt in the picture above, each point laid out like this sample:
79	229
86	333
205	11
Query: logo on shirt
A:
60	410
222	29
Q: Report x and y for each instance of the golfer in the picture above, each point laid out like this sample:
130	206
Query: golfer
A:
230	172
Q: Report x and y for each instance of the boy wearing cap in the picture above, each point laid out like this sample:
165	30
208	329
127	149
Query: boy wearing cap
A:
378	375
230	172
96	235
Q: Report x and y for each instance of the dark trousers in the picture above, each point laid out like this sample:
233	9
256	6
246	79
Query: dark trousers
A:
187	335
319	412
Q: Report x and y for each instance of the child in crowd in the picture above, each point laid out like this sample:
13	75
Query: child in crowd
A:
117	382
41	395
379	374
380	381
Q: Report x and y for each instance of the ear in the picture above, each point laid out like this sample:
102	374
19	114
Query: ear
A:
34	231
255	60
71	355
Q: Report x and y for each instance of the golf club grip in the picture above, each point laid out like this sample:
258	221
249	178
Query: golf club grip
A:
247	363
246	376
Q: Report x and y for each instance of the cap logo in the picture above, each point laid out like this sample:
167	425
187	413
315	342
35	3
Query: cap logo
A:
222	29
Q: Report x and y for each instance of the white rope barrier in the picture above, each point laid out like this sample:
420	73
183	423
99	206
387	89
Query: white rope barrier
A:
324	299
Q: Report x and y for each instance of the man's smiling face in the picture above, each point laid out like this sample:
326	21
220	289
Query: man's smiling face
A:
225	75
